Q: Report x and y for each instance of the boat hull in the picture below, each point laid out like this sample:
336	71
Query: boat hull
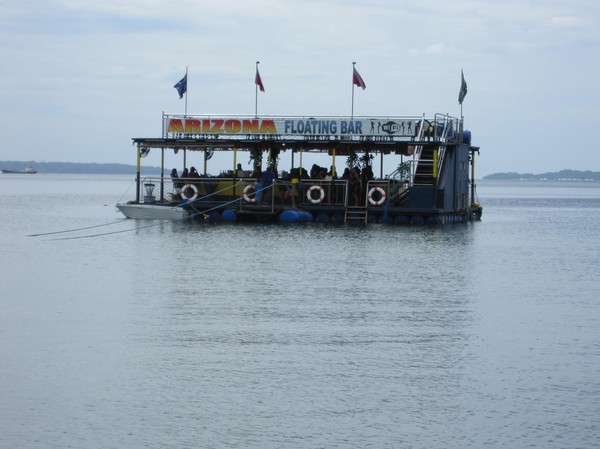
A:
152	211
16	172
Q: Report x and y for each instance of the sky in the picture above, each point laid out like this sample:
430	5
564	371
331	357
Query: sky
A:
80	78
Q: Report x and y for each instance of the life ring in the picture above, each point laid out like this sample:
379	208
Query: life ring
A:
245	193
321	194
381	193
184	189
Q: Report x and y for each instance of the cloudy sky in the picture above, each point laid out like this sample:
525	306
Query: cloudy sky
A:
80	78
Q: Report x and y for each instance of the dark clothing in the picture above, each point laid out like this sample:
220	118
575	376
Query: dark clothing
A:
267	178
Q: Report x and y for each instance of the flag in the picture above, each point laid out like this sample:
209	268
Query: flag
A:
463	88
258	81
181	86
357	79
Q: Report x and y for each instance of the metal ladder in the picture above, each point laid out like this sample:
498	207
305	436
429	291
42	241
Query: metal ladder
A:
443	139
355	214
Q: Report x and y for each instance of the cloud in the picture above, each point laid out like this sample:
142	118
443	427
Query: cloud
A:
95	74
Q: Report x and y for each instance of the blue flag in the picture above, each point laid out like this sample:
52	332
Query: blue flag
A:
181	86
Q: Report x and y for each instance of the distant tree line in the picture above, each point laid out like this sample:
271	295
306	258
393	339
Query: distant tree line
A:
562	175
78	168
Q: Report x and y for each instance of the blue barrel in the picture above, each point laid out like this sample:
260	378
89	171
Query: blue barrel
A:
338	218
467	137
289	216
322	217
228	215
304	216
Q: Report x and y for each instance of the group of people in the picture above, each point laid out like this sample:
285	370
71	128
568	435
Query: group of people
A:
357	179
187	177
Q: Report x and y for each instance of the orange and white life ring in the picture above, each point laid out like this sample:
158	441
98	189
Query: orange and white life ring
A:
246	195
184	190
382	195
315	200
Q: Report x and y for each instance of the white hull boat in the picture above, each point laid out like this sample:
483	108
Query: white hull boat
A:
152	211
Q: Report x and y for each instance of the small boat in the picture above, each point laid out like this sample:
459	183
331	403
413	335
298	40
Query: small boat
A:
434	183
152	211
28	170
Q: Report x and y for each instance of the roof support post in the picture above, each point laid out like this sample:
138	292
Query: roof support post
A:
472	177
137	177
333	163
162	174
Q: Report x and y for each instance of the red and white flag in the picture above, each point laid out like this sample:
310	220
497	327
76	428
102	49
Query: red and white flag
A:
357	79
258	81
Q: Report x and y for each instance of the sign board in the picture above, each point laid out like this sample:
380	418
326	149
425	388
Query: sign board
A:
182	126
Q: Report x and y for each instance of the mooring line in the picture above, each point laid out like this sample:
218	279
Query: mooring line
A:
161	222
123	220
87	227
113	232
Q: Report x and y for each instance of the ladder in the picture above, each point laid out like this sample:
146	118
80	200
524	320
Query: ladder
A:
355	214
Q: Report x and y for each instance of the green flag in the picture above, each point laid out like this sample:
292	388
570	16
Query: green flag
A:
463	88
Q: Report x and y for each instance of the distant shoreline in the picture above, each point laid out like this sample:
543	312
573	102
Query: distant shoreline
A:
562	175
125	169
79	168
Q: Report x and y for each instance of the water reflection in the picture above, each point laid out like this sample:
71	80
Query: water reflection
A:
299	336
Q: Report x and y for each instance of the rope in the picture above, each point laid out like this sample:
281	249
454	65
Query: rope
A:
161	222
77	229
113	232
87	227
210	194
126	191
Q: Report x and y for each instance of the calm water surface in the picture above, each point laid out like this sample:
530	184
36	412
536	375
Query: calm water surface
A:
188	335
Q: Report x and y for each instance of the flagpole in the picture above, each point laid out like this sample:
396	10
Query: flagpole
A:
256	94
353	68
186	89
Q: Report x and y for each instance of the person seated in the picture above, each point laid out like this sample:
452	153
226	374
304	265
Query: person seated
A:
185	174
176	182
315	172
239	173
333	173
195	180
286	193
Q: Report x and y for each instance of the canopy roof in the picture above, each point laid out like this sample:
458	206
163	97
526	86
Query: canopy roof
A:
341	146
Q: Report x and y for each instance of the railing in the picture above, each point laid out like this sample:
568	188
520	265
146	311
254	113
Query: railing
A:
304	193
442	129
377	192
178	189
317	192
248	190
424	129
447	133
401	179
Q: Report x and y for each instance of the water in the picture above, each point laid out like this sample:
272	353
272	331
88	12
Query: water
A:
186	335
